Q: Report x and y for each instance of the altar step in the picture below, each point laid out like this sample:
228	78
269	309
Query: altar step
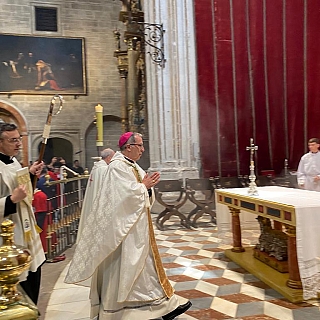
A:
265	273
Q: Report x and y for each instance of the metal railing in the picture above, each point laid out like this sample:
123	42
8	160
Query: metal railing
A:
63	214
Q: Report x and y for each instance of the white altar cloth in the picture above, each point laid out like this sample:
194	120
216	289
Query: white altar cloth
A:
307	211
248	220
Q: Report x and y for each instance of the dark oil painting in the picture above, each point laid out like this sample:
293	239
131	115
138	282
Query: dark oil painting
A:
42	65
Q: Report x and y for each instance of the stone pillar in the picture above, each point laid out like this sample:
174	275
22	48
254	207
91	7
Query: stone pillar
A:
172	92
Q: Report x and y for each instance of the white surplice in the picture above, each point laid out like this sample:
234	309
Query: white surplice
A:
308	168
94	184
8	182
115	250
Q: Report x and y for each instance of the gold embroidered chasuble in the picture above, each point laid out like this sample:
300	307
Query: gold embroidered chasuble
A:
117	251
164	281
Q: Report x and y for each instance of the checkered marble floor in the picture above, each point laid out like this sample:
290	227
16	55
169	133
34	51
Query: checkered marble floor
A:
217	287
198	270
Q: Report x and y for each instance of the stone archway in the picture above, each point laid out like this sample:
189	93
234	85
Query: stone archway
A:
10	114
58	147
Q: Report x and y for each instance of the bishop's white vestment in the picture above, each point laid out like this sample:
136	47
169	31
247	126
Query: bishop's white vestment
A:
25	231
308	168
117	250
93	185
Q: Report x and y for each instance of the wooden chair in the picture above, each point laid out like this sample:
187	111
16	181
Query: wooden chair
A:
205	204
288	181
227	182
244	181
262	181
172	205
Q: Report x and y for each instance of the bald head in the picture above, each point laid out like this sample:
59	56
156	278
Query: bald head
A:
107	155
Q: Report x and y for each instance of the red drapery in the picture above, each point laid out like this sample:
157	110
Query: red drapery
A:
258	70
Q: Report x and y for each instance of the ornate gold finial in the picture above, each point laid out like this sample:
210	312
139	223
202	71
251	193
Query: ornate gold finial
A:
64	174
47	177
13	261
86	172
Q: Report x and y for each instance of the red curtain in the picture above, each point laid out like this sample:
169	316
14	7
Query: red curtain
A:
258	77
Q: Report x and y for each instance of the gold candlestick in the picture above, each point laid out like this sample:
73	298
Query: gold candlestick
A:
252	191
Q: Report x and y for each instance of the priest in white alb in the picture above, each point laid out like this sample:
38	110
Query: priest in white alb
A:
117	254
15	204
94	184
309	167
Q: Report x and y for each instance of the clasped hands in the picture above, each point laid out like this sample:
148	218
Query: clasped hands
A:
151	180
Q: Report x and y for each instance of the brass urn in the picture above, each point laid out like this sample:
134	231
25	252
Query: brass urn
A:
13	261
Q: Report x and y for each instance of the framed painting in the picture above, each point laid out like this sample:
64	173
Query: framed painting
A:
42	65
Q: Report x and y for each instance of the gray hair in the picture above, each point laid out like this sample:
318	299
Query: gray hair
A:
106	153
7	127
132	139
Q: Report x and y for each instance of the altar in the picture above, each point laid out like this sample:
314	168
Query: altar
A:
298	213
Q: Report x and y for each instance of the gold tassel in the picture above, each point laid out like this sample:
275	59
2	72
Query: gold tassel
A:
163	279
38	229
137	175
28	236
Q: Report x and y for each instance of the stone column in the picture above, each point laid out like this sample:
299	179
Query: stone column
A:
172	92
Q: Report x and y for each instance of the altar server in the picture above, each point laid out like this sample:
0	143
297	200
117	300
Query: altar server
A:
309	167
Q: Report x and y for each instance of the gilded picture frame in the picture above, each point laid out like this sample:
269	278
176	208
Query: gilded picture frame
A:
42	65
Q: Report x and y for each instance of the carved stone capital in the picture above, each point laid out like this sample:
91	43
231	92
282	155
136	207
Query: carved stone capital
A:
122	63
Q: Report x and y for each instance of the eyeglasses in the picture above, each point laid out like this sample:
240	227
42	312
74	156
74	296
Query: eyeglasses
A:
136	144
12	140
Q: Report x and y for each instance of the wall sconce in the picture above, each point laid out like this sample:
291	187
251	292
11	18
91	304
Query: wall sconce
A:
154	34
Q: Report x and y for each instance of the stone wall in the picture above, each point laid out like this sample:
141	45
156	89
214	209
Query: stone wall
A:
94	20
